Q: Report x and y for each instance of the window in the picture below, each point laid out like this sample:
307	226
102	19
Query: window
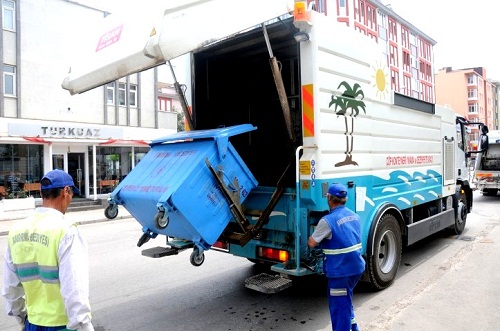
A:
471	80
472	93
393	33
110	93
394	80
8	13
405	37
9	80
406	61
123	97
132	95
164	104
407	85
473	108
393	51
122	93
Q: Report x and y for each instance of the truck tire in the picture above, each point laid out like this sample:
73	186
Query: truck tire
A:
384	262
460	215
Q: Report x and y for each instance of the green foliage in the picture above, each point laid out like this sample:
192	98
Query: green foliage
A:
181	125
17	195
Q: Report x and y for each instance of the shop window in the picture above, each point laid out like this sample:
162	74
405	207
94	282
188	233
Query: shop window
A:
112	165
20	165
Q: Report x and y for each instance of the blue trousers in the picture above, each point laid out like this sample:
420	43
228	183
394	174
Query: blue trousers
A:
340	303
33	327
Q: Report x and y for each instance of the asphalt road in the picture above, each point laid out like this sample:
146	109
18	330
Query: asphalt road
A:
444	283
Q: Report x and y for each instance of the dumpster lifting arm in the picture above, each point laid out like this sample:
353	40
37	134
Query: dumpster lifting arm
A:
252	231
233	198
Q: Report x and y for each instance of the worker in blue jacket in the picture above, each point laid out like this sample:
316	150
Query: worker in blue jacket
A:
339	237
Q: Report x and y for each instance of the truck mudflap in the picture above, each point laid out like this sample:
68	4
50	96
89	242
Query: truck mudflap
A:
173	191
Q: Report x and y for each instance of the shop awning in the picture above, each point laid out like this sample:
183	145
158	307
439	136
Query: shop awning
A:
37	140
124	142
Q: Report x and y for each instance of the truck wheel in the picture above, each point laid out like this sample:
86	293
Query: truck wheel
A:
197	258
384	262
111	211
460	216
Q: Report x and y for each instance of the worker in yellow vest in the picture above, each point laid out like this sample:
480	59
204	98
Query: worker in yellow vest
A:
46	264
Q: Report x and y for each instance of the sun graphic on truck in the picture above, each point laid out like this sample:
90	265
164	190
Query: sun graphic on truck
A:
381	81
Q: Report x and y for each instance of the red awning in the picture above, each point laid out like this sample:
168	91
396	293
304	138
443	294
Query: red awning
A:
37	140
121	142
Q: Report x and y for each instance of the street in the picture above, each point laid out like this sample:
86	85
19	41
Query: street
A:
444	283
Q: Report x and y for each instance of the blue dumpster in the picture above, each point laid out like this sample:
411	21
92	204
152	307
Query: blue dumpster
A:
173	185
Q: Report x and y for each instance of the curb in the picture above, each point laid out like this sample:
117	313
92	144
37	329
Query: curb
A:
100	220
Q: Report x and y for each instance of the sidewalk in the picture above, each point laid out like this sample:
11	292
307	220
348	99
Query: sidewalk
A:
79	217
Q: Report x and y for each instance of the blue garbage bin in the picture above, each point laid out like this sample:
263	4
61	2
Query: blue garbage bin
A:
174	178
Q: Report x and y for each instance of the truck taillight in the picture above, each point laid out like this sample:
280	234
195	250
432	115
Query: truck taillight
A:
221	245
272	254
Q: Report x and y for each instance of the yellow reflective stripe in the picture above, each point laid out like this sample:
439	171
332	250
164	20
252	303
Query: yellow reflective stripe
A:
342	250
338	292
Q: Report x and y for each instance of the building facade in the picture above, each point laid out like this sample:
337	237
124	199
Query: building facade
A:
470	93
409	51
97	136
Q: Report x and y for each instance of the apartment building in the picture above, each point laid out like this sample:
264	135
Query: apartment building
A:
470	93
409	51
97	136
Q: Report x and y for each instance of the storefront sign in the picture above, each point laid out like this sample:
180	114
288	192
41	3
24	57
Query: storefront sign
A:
62	131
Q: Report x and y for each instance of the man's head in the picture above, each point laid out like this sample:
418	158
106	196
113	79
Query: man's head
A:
337	194
58	187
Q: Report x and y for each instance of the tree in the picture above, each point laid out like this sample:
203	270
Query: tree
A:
348	104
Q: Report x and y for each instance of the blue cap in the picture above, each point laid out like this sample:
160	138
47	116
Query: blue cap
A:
59	179
338	190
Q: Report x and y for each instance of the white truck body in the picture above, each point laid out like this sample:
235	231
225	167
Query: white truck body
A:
402	159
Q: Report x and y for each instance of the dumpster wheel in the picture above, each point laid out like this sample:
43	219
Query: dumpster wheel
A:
111	211
197	258
160	220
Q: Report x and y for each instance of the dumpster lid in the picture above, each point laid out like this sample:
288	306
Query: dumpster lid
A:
220	135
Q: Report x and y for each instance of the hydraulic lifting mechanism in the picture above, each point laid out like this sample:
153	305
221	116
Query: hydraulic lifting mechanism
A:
241	231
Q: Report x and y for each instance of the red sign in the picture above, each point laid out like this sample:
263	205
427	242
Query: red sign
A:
109	38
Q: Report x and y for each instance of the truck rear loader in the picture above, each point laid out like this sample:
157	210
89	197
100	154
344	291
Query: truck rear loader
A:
285	102
487	164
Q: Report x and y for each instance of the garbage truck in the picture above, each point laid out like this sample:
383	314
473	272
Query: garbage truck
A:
285	101
487	165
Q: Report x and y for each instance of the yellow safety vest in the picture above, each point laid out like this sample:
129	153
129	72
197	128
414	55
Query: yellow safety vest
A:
34	245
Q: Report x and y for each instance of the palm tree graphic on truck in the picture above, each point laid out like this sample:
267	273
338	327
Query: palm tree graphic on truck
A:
348	105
